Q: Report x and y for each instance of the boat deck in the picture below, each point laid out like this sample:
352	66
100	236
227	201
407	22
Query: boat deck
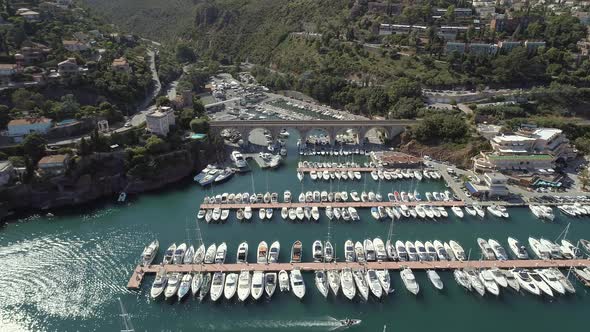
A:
141	271
280	205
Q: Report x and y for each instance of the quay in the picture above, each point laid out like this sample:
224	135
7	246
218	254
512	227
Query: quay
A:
336	169
279	205
141	271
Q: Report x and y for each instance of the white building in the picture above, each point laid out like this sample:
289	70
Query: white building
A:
159	121
19	128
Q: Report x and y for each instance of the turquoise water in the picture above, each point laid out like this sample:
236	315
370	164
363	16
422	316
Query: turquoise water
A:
65	273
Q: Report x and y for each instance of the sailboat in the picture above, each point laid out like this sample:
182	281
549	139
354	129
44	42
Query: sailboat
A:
127	325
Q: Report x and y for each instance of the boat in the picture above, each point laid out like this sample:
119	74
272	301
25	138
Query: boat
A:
239	160
458	251
149	253
268	213
216	214
568	250
540	283
359	252
519	251
224	175
486	249
470	211
262	214
551	279
353	213
361	284
247	212
498	250
210	254
525	281
412	252
441	253
449	251
283	281
209	216
374	283
299	212
487	279
179	254
457	211
173	284
262	253
240	214
462	279
242	254
297	283
328	252
334	281
390	250
315	213
244	281
554	250
224	214
435	279
205	286
565	282
511	280
585	244
475	281
402	252
349	255
422	254
347	283
499	277
199	255
318	251
221	253
493	209
284	213
273	253
321	282
231	285
539	249
296	252
480	212
369	250
384	280
185	286
410	281
217	286
257	288
159	284
292	214
375	213
270	283
380	252
431	251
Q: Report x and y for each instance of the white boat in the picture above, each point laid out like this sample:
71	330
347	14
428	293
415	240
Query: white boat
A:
457	211
224	214
470	211
284	213
374	283
457	250
554	250
248	213
526	282
297	283
273	253
449	251
349	254
498	250
173	284
347	283
551	279
185	286
210	254
511	280
262	253
435	279
401	250
540	283
487	279
412	252
369	250
384	280
231	285
475	281
441	253
355	196
462	279
486	249
328	252
321	282
149	253
257	285
315	213
517	249
539	249
244	281
205	286
199	255
422	254
499	277
334	281
567	285
159	284
217	286
361	284
221	253
287	196
380	252
494	211
359	252
480	212
283	281
318	251
410	281
242	254
299	212
270	283
292	214
196	283
179	253
431	251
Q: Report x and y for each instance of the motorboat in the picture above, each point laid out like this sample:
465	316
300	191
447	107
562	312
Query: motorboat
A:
361	284
262	253
380	252
283	281
470	211
221	253
257	288
159	284
540	283
487	279
231	285
297	283
287	196
173	284
185	286
518	250
551	279
441	253
499	277
412	252
224	175
205	286
462	279
457	211
199	255
239	160
384	280
390	250
244	285
149	253
328	252
315	213
349	255
353	213
410	281
498	250
292	214
375	213
565	282
240	215
262	214
457	250
486	249
270	283
248	213
554	250
585	244
359	252
402	252
369	250
422	254
431	251
475	281
539	249
296	252
179	254
284	213
196	283
480	212
318	251
526	282
273	253
435	279
299	212
334	281
224	215
216	214
568	250
209	216
337	213
217	286
321	282
449	251
242	254
511	280
374	283
347	283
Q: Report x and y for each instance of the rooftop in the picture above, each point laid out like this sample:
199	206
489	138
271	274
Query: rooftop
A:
512	138
4	164
54	159
120	62
28	121
547	133
521	157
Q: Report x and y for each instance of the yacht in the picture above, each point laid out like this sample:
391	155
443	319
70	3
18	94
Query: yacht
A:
517	248
380	252
224	175
221	253
435	279
470	211
349	251
402	252
205	286
149	253
248	213
185	286
475	281
568	250
374	283
244	281
262	253
540	283
412	253
292	214
410	281
196	283
499	277
273	253
498	250
347	283
487	279
369	250
173	284
159	284
526	282
217	286
239	160
262	214
361	284
199	255
567	285
554	250
257	288
296	252
283	281
441	253
299	212
480	212
179	253
551	279
486	249
449	251
321	282
422	254
297	283
539	249
384	280
242	254
511	280
359	252
318	251
457	211
334	281
315	213
390	250
287	196
270	283
462	279
328	252
458	251
231	285
431	251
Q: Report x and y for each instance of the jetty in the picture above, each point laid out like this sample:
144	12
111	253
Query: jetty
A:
279	205
336	169
140	271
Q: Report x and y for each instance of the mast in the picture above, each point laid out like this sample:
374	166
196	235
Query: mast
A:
127	325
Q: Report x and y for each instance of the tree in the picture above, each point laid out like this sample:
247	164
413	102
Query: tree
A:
200	125
4	116
155	145
585	178
184	53
34	147
162	101
184	120
84	147
198	107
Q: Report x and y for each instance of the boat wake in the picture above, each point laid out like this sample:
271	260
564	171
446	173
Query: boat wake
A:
328	323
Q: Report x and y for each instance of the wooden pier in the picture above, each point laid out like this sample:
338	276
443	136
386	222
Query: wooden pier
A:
141	271
279	205
336	169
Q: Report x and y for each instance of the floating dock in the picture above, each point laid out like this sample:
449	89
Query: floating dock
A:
336	169
141	271
369	205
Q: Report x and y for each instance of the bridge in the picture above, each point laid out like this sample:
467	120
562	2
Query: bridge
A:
332	128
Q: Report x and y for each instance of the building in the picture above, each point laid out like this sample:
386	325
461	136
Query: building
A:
159	121
400	29
29	15
482	49
34	53
532	46
54	164
121	65
452	47
508	46
19	128
7	70
385	8
6	172
68	67
459	12
75	46
493	185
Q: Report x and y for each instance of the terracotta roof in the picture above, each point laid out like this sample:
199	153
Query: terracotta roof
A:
28	121
54	159
7	66
120	62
